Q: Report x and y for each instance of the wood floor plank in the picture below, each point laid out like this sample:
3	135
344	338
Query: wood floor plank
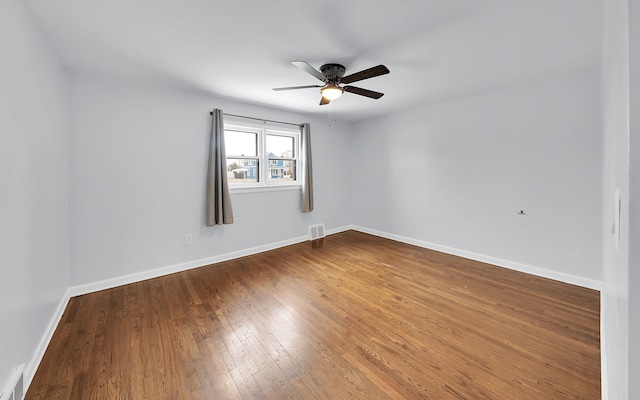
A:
350	317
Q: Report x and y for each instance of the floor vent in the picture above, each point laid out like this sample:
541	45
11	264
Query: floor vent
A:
316	232
15	389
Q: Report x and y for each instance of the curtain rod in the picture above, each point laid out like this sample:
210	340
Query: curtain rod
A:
257	119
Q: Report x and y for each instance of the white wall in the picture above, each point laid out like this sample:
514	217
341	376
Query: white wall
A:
456	174
34	267
137	176
621	148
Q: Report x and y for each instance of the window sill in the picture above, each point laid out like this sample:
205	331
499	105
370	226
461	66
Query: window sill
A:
256	189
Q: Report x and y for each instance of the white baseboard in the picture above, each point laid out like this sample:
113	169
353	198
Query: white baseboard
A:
338	230
32	365
171	269
545	273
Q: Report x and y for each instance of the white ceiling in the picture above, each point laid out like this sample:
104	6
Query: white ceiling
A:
436	49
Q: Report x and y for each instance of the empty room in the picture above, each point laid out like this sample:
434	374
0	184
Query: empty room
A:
319	200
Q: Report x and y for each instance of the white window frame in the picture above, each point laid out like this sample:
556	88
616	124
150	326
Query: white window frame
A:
262	130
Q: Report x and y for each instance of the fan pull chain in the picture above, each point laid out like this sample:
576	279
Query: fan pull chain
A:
332	114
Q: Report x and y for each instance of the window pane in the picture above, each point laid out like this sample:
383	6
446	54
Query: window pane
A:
243	170
280	170
280	146
240	143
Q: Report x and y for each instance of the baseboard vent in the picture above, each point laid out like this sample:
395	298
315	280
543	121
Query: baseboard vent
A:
15	387
316	232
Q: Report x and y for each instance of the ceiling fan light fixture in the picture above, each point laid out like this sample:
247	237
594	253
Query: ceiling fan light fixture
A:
331	91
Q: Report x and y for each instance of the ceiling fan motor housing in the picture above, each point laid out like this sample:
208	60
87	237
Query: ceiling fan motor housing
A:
333	72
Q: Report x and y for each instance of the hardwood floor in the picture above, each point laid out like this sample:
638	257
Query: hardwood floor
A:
352	317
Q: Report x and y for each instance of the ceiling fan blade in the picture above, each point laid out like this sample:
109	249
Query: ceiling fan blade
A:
363	92
365	74
309	69
296	87
324	100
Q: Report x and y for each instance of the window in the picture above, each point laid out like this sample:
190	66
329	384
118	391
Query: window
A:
261	156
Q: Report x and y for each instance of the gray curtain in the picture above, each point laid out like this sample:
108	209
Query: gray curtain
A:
219	210
307	175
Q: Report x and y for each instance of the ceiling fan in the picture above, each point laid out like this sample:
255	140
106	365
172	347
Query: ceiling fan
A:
333	75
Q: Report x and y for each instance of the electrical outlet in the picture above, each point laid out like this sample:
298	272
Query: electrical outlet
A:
188	239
